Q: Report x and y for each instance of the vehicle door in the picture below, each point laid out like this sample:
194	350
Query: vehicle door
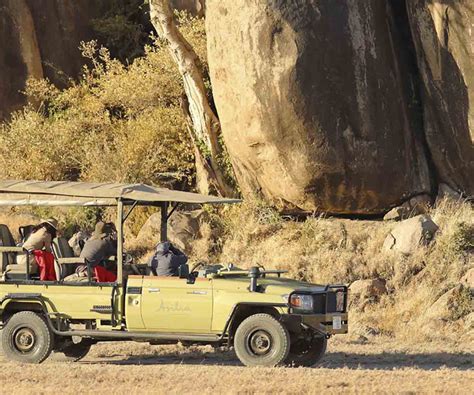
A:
170	304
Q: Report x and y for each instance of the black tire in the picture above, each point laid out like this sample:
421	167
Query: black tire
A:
27	338
72	352
305	352
260	340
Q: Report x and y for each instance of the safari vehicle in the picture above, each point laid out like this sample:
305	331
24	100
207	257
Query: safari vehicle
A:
268	319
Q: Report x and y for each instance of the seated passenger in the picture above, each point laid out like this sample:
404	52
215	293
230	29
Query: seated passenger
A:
97	249
38	244
166	260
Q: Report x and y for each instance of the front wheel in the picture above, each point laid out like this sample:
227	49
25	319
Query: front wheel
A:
72	352
304	352
261	340
27	338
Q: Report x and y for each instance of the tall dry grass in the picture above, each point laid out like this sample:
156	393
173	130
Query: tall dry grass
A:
424	300
330	250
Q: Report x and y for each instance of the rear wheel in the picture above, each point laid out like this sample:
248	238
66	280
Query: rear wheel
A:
306	352
27	338
261	340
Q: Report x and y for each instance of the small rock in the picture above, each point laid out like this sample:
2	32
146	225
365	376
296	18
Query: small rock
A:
420	204
395	214
449	306
468	279
469	322
368	288
446	192
409	234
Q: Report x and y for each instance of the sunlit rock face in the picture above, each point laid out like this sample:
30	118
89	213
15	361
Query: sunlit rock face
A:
317	101
443	32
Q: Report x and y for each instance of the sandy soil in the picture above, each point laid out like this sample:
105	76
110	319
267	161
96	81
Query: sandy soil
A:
376	366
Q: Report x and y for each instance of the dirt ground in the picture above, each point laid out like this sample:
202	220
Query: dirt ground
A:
374	366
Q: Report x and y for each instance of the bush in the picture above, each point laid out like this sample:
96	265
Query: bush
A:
118	123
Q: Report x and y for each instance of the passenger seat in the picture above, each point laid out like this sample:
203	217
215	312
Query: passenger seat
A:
6	240
62	249
9	259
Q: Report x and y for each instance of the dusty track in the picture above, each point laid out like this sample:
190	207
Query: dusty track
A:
377	366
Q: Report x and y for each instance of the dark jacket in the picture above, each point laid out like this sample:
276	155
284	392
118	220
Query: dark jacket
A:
166	260
97	249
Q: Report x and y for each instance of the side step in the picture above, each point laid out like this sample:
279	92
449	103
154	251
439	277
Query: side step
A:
124	335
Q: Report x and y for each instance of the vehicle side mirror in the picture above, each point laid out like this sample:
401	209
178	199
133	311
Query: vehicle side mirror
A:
183	271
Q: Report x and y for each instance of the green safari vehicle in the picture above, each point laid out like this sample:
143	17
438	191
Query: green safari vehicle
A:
269	320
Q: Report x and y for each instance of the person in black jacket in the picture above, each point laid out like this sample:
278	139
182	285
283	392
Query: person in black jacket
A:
166	260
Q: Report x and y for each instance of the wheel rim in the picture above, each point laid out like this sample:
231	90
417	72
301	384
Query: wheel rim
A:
24	340
260	343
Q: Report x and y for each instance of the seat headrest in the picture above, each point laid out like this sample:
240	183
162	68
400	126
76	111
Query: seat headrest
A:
61	248
6	237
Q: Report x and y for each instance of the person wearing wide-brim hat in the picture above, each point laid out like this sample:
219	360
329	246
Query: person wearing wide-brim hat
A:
103	230
42	235
101	245
40	239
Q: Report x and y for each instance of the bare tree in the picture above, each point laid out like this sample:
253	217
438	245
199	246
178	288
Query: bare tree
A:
204	125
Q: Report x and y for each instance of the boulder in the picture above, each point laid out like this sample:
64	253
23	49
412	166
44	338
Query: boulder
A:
415	206
367	289
452	305
314	99
442	33
41	38
446	192
183	228
411	233
468	279
194	7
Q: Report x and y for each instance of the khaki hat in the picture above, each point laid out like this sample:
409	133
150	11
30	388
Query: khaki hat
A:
103	229
50	221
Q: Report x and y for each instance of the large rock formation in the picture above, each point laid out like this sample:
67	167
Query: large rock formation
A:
315	103
40	38
444	39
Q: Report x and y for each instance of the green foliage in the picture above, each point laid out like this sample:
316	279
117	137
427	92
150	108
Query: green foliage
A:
463	237
118	123
124	29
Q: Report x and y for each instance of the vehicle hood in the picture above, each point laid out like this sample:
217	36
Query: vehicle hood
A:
269	285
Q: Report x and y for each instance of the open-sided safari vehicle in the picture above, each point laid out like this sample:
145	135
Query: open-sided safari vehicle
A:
268	319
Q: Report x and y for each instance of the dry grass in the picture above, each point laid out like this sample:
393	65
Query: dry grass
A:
329	250
130	368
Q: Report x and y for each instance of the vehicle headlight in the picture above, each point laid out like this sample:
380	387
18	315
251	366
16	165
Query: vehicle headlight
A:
301	302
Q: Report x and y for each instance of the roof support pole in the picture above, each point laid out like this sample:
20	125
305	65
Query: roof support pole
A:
120	239
164	222
118	293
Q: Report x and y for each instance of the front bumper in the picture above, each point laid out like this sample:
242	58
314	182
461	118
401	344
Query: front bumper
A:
322	323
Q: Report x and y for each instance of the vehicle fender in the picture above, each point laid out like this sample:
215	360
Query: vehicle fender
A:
13	303
243	310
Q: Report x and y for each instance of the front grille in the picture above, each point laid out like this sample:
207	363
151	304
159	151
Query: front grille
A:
319	303
332	301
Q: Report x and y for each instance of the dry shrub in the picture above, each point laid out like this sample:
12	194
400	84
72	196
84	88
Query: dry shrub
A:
120	122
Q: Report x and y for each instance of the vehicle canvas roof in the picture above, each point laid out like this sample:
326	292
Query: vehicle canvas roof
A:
68	193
